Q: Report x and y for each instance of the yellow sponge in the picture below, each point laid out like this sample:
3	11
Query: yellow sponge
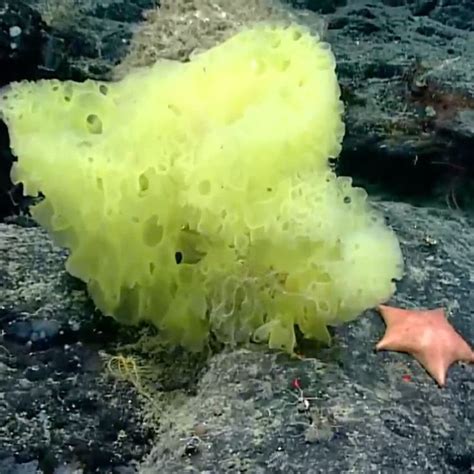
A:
198	195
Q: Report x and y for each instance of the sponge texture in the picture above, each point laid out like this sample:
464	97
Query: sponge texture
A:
198	195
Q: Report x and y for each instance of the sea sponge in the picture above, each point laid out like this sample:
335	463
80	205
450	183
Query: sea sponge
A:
199	196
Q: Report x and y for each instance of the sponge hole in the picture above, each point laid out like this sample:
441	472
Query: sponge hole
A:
68	92
175	109
296	35
143	182
285	65
323	306
296	193
94	124
204	187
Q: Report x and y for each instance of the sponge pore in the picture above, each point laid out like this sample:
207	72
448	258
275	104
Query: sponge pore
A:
199	195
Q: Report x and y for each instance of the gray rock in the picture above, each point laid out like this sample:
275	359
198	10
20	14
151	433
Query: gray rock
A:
56	405
406	73
405	69
370	412
367	416
407	81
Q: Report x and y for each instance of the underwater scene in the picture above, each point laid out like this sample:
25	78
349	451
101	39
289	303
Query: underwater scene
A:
236	236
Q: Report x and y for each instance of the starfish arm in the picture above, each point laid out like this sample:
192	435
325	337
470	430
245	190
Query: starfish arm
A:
436	364
464	352
428	336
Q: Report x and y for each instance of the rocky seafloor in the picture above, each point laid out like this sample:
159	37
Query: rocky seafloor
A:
76	393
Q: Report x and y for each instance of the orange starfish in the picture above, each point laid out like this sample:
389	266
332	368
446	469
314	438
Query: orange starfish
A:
426	335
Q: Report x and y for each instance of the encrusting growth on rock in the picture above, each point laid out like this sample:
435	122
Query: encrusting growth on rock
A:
426	335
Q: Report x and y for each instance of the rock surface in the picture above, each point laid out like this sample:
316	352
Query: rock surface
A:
405	68
56	404
407	80
236	410
78	392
